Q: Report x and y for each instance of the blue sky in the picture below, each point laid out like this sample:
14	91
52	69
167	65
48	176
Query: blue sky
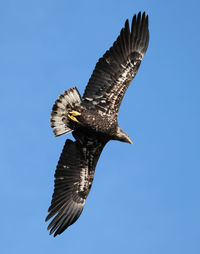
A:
145	197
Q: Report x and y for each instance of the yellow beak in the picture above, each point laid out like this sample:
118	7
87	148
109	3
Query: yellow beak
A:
130	141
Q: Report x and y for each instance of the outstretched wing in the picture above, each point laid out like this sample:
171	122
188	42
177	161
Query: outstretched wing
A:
116	69
73	180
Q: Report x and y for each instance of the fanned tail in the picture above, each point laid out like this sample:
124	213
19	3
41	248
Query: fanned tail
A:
63	105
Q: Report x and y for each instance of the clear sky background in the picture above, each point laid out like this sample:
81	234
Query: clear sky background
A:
145	197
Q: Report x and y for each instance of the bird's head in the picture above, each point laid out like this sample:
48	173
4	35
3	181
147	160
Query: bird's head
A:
122	136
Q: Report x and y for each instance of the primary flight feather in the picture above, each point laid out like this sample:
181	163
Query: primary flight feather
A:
93	122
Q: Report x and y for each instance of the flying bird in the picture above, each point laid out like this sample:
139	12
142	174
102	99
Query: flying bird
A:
92	119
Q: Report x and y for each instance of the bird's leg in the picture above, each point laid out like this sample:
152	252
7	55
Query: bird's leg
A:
72	118
75	113
72	115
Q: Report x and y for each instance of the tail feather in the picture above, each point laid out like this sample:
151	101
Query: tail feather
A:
63	105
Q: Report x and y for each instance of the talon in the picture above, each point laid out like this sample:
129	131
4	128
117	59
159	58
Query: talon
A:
75	113
72	118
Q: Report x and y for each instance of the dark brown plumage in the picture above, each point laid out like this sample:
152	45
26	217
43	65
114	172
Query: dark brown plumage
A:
93	122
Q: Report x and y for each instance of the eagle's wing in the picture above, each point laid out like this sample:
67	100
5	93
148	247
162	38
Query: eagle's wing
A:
73	180
116	69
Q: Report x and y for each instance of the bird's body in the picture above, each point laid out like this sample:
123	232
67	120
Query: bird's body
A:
93	122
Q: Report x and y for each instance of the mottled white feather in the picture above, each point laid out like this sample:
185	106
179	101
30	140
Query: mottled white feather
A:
61	108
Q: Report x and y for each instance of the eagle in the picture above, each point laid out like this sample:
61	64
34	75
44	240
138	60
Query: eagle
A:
92	119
